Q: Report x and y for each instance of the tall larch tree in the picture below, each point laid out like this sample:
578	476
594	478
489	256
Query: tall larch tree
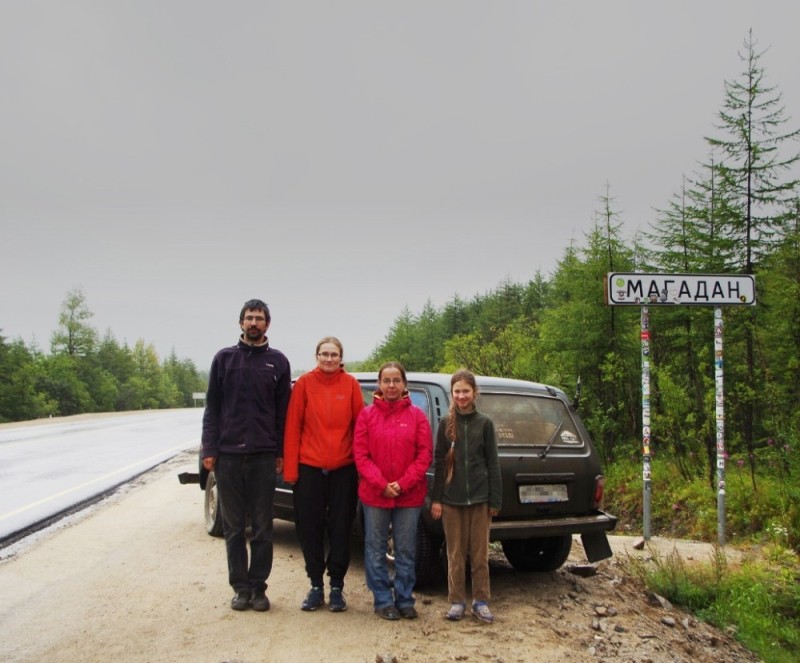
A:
757	163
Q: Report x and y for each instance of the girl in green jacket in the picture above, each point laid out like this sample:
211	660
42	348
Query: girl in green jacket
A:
467	493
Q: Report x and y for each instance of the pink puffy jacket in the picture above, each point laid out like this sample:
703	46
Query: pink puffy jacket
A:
392	442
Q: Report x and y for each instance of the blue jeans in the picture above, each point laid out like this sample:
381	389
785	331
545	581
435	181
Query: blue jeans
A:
246	486
403	523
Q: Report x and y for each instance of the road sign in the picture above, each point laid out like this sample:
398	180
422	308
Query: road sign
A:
639	289
645	290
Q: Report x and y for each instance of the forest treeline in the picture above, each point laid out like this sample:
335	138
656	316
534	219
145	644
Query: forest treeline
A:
739	213
86	373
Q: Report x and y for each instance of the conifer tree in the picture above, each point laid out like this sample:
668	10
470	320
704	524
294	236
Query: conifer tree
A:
75	336
686	239
755	175
755	167
583	338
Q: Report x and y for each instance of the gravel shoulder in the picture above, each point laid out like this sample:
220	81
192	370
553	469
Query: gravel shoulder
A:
136	578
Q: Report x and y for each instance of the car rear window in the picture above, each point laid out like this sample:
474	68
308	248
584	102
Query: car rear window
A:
521	419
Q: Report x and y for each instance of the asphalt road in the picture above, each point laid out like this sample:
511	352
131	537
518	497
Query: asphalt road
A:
48	467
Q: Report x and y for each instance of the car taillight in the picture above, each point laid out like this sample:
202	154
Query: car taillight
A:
599	490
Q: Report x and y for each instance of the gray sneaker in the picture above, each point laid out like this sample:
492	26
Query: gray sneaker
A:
456	612
481	610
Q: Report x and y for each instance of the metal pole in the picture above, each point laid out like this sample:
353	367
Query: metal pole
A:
646	475
720	417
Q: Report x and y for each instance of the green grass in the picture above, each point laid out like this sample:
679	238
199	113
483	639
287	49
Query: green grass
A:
687	508
758	599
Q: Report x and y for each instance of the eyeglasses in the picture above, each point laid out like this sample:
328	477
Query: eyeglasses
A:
329	355
391	380
254	318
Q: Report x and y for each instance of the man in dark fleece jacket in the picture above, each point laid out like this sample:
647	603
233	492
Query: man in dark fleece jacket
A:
248	393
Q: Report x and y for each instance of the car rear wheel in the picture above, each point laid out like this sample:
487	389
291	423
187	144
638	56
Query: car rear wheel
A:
537	554
428	567
213	514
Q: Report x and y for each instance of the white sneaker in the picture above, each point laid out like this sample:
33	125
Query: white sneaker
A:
481	610
456	612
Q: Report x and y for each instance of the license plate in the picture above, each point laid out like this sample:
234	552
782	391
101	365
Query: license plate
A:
543	493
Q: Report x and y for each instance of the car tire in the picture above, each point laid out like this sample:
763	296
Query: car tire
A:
428	567
213	514
537	554
428	564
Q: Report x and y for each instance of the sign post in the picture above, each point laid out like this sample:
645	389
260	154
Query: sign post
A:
646	471
719	399
645	290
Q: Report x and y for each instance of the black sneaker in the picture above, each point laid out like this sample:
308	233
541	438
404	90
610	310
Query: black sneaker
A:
408	612
241	601
314	599
336	602
259	601
388	612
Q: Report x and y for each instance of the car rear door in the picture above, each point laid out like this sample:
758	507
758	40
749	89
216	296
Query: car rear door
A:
547	461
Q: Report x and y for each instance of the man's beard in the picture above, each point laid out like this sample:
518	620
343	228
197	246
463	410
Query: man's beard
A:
254	334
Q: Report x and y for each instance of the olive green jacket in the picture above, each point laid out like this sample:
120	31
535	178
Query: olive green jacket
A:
476	477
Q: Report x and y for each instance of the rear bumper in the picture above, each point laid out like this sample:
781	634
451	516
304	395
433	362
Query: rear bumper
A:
189	477
194	477
526	529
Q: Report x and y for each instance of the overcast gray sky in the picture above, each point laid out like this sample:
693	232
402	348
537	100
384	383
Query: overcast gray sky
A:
340	160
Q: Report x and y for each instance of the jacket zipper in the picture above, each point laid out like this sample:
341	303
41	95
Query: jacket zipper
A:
466	462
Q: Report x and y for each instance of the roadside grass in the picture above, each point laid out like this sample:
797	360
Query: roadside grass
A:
757	601
762	496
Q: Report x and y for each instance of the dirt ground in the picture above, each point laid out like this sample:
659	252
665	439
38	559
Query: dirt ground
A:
136	578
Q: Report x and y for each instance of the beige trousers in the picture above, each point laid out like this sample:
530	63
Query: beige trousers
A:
466	531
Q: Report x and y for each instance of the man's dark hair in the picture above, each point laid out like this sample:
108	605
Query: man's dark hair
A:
254	305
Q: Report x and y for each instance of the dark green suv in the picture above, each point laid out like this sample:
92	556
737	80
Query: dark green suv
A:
552	479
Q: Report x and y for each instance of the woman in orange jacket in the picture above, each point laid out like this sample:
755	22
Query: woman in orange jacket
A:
318	462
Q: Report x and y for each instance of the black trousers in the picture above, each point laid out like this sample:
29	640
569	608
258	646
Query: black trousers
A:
246	485
324	508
